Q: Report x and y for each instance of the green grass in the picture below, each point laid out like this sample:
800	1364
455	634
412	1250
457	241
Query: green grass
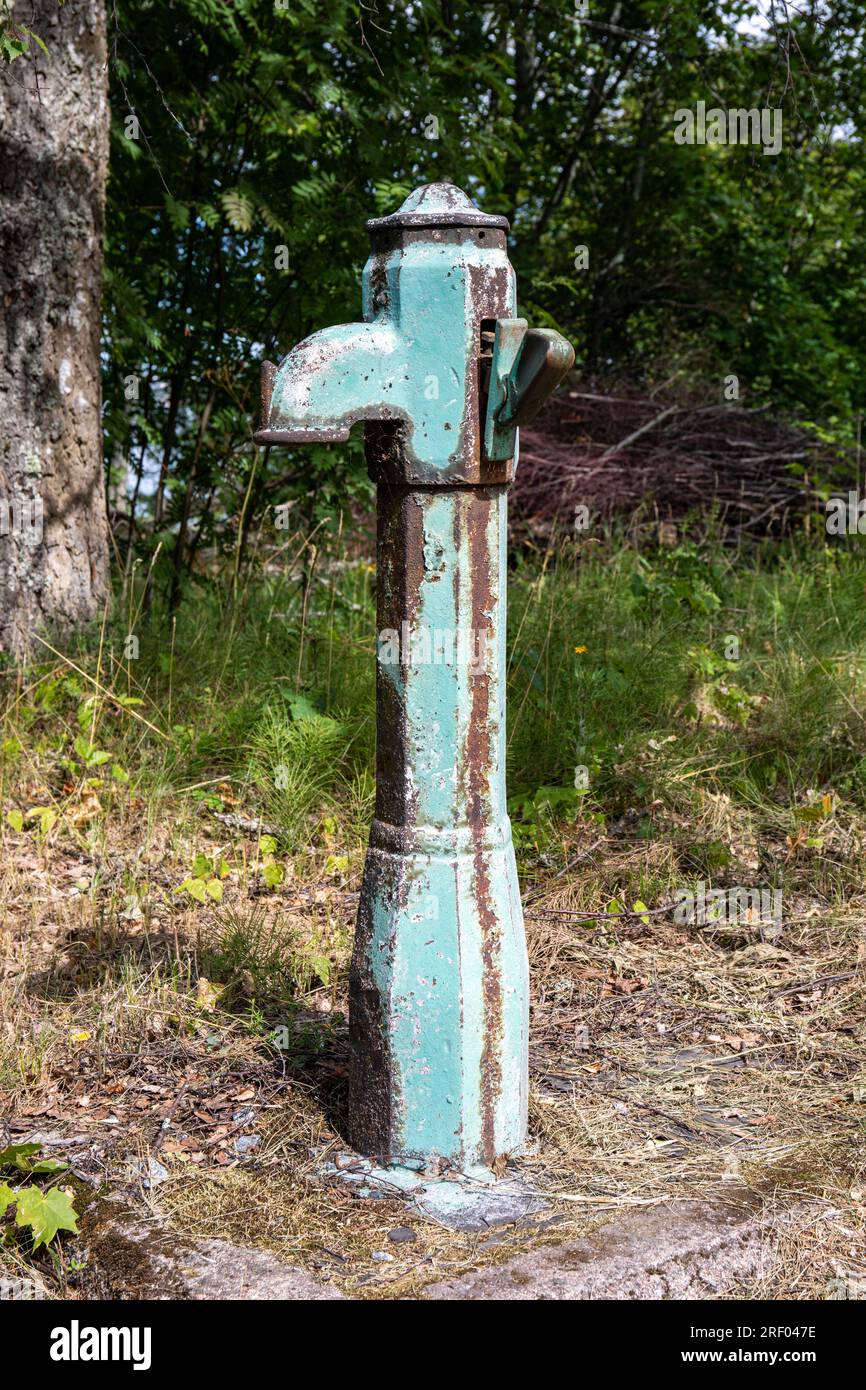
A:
785	717
273	691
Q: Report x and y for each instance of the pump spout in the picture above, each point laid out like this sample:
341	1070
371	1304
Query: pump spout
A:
350	372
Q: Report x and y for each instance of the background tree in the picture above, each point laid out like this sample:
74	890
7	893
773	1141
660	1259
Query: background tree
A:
250	142
53	156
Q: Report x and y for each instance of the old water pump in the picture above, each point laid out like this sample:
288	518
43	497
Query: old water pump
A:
442	373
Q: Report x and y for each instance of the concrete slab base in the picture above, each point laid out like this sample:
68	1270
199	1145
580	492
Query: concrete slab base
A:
462	1202
128	1256
679	1250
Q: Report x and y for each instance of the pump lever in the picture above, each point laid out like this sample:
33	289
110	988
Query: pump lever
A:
544	359
528	363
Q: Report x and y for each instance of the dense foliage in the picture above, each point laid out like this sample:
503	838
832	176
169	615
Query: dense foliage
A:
251	139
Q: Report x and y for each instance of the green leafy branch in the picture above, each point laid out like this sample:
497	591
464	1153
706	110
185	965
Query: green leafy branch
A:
15	39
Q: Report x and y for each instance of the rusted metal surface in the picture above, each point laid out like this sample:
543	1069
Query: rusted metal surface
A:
439	978
480	767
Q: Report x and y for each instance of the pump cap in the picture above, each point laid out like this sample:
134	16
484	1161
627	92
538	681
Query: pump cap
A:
438	205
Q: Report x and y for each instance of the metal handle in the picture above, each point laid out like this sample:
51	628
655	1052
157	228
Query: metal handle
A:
527	364
544	359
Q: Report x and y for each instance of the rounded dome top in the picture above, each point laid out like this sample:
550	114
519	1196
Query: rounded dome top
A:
438	205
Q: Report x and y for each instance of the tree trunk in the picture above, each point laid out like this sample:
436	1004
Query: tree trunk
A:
53	160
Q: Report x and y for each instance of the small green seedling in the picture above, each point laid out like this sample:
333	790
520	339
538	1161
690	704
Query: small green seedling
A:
44	1211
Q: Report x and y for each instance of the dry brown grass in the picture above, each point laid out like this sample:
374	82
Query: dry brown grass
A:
667	1061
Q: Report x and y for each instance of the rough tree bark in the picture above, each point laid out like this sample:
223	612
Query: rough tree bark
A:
53	161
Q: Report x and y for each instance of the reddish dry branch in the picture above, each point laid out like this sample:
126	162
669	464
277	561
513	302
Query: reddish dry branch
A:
614	454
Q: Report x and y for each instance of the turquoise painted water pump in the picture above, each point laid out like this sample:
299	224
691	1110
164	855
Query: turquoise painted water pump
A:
442	373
